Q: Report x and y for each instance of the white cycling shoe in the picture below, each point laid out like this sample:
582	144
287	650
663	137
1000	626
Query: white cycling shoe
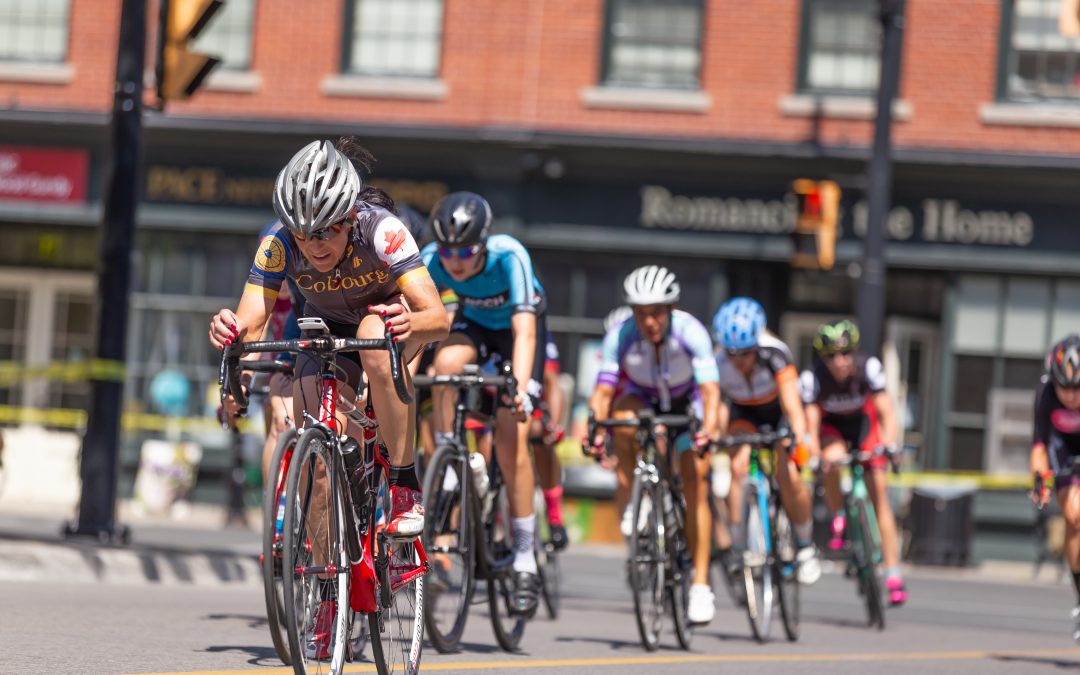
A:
701	607
627	522
809	565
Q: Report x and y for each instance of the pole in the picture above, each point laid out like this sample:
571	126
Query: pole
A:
870	306
100	450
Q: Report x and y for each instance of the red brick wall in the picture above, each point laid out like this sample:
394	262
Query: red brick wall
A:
524	64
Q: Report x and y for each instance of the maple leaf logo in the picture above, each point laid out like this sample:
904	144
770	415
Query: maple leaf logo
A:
394	240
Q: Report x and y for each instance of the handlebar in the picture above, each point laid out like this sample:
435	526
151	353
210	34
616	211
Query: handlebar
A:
763	439
893	455
319	345
644	420
472	378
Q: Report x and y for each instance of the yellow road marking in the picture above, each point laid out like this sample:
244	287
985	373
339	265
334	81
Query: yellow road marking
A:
973	655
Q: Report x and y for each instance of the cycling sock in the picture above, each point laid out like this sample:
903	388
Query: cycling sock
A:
804	533
553	503
443	438
524	530
1076	585
736	530
404	476
891	572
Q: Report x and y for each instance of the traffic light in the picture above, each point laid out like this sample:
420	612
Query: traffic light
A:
180	71
815	228
1069	19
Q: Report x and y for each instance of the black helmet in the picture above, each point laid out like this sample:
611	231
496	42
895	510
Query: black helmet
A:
415	221
836	336
461	219
1064	363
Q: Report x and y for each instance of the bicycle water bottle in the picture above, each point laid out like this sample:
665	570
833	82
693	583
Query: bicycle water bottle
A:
279	521
354	469
479	471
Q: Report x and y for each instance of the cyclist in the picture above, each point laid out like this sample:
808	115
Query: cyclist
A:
545	435
500	313
359	270
847	407
1056	445
758	376
665	356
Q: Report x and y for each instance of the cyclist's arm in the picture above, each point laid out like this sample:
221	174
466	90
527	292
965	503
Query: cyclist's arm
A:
1040	460
813	426
787	385
248	321
887	416
710	398
600	401
524	329
553	396
428	320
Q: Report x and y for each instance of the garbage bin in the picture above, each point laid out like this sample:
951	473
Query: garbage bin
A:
942	523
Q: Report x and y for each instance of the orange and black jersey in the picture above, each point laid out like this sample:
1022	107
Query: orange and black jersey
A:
775	366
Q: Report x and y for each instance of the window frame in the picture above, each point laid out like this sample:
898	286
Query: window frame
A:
802	67
61	60
249	64
607	42
1005	55
349	37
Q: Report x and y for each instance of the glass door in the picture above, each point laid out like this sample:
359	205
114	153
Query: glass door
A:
911	360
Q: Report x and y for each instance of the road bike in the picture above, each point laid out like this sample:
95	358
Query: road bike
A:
340	567
547	556
659	563
468	531
769	567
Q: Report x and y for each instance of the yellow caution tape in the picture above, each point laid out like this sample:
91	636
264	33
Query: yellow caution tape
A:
106	370
73	418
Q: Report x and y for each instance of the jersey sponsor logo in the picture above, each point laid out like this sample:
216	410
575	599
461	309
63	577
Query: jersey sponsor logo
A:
1066	421
271	255
393	242
491	302
307	282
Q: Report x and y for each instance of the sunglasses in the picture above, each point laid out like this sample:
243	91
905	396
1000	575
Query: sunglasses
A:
833	355
327	232
460	253
736	353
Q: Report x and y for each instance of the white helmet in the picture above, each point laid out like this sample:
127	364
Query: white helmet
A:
617	317
651	285
317	188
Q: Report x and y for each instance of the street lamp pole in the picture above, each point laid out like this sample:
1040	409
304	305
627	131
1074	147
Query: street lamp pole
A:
870	305
99	459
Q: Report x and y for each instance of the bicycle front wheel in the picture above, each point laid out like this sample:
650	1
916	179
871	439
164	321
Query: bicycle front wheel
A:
547	560
508	625
647	560
679	569
273	526
757	571
786	571
448	538
866	567
397	629
315	568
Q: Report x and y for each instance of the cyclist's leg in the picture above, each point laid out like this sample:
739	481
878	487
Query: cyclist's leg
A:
740	468
277	411
695	471
833	449
1068	496
626	451
453	354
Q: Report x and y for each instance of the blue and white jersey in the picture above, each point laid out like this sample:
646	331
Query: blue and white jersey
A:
505	286
683	361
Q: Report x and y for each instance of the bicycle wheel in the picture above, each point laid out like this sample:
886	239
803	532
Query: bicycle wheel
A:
316	604
647	560
357	636
508	626
272	527
786	572
679	569
448	539
547	560
397	629
866	566
757	572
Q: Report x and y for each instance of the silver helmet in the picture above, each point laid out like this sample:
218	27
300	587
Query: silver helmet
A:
651	285
317	188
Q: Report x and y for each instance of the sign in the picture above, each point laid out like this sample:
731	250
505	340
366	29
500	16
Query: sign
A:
43	175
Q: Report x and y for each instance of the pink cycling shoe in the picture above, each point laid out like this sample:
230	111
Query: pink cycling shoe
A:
837	541
897	592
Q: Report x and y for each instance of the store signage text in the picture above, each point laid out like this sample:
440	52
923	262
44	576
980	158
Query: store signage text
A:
43	175
939	220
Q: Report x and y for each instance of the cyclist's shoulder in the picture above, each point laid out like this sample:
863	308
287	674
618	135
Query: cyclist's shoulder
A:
685	322
773	351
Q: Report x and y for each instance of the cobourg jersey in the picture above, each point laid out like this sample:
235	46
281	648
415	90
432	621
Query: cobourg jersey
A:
381	257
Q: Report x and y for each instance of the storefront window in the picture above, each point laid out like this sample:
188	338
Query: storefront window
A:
1026	304
1066	317
841	47
978	304
73	341
13	334
1040	63
653	44
974	377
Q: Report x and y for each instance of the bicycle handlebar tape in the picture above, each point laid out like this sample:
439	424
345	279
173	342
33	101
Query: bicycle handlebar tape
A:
396	370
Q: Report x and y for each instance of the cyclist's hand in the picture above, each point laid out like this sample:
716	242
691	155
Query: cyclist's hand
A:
595	446
702	443
1040	493
523	405
228	412
800	454
398	319
226	328
553	433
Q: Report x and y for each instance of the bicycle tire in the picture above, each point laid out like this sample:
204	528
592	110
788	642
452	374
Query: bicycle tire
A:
508	626
273	586
679	569
785	569
757	571
547	560
646	561
304	593
866	567
397	631
450	549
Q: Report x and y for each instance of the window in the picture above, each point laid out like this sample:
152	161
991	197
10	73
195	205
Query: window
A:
841	47
1038	63
394	38
33	30
228	36
653	43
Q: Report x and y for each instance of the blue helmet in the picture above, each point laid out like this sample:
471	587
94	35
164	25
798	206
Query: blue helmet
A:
738	323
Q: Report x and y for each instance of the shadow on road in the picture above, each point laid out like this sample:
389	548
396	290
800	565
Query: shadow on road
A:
259	656
1040	660
253	620
618	645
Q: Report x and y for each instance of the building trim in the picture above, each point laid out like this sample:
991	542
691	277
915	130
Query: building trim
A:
839	107
234	81
642	98
364	86
1031	114
37	73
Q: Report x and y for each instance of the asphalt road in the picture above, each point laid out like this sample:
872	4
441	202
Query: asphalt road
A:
950	625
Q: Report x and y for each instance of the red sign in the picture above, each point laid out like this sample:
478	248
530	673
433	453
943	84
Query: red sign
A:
43	175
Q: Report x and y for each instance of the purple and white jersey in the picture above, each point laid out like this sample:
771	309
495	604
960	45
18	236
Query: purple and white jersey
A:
673	369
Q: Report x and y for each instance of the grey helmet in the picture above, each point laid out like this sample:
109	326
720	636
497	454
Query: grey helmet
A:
651	285
461	219
317	188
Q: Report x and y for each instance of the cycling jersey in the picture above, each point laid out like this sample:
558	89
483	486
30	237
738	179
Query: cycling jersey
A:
381	257
1058	429
848	412
506	285
756	397
685	360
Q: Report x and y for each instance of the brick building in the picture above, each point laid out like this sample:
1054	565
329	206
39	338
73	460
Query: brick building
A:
650	130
